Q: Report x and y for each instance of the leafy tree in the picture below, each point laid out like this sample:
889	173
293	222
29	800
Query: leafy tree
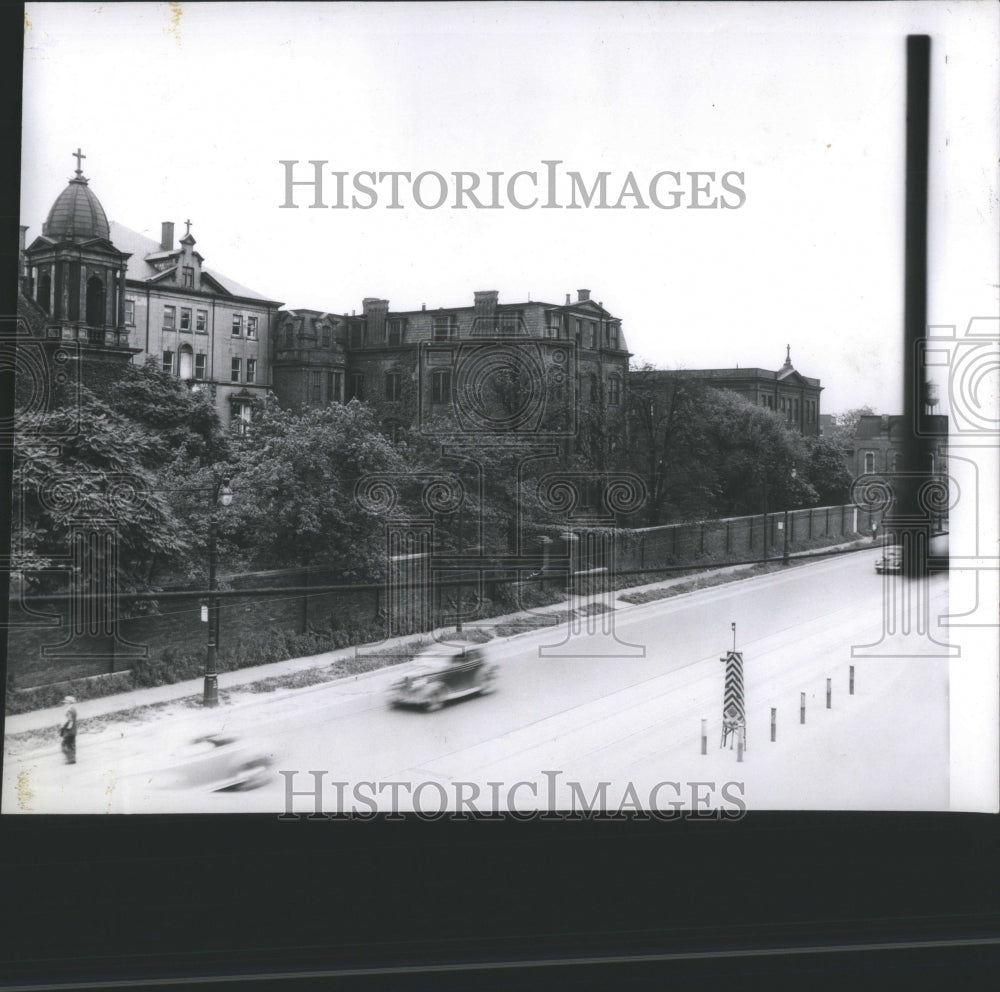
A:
99	471
846	423
828	472
293	482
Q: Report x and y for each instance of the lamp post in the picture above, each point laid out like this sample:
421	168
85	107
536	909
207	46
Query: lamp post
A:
784	556
222	495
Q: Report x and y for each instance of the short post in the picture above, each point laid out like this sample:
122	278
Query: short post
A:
852	681
739	746
802	707
704	736
829	691
774	723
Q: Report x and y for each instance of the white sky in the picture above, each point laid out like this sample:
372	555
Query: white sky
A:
185	110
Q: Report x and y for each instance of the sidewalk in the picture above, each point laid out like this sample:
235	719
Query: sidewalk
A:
51	717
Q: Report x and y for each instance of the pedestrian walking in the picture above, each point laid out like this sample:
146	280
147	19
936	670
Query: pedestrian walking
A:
874	531
68	731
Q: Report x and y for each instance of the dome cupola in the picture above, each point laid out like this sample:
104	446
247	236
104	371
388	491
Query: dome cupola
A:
77	214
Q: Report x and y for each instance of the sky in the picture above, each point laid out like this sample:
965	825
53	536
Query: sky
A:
185	111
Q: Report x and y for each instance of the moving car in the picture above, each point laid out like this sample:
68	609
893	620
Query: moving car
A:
891	560
215	761
441	673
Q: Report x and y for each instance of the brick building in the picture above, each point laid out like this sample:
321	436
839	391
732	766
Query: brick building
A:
787	392
120	295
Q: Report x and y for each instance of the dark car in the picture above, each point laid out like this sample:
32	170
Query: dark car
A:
441	673
891	560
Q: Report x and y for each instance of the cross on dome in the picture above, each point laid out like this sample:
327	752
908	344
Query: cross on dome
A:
79	156
187	226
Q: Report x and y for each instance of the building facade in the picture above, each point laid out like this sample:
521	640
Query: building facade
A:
879	439
795	397
122	296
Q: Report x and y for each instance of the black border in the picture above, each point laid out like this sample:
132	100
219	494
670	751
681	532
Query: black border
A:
192	898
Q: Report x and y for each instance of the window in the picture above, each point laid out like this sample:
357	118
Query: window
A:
252	328
199	366
315	386
168	362
393	386
552	329
614	390
169	318
185	363
242	415
234	375
188	276
357	335
510	321
869	461
326	337
396	329
441	386
579	332
592	337
335	386
251	370
595	388
237	325
129	313
444	327
357	385
201	321
611	335
185	318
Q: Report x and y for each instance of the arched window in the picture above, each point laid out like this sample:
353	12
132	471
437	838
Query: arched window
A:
95	301
45	293
186	359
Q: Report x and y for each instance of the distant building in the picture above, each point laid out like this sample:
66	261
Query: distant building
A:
787	392
877	445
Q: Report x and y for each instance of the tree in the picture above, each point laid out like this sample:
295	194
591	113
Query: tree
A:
827	471
98	474
846	423
293	482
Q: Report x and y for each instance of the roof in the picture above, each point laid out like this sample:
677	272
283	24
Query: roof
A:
76	215
142	249
738	373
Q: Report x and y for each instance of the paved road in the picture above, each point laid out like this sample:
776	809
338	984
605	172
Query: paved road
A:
627	712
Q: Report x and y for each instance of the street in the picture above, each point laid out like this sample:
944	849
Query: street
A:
557	727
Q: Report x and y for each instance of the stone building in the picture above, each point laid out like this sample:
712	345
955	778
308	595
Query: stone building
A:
416	363
116	293
787	392
879	439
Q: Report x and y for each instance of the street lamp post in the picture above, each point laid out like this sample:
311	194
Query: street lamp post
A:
222	495
784	555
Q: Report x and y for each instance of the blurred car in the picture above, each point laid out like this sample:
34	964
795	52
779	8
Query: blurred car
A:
891	560
215	762
440	674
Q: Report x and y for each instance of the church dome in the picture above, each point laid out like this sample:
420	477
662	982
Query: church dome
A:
77	214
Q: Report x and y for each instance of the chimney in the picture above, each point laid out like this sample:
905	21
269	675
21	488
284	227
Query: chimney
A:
582	295
567	299
484	317
375	312
423	306
167	236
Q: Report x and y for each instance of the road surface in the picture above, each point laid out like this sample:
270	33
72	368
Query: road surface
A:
626	712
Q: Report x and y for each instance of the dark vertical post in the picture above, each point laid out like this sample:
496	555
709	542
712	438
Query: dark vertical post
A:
918	62
211	694
802	707
851	681
774	723
829	692
704	737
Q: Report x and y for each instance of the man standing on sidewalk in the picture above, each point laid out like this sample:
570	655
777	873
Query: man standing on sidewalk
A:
68	731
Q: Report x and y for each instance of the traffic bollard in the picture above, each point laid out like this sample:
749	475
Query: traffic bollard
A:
829	691
802	707
852	680
704	737
774	723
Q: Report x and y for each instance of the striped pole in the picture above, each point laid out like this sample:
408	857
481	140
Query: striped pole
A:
733	711
774	723
829	690
704	736
852	680
802	707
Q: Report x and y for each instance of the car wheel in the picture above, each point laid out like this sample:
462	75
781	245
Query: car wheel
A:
489	682
436	701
